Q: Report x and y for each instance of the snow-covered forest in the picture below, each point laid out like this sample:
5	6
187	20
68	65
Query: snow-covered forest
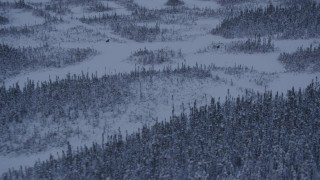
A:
159	89
293	21
280	133
302	59
16	60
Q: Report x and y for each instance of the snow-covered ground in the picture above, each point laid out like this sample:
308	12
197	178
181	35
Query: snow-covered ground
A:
157	102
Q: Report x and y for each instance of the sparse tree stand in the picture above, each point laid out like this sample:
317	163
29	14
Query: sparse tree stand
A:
174	3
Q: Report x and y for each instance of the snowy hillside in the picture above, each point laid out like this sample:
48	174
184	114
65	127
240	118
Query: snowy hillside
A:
98	74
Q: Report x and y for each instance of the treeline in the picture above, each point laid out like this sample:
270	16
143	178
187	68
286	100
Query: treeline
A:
99	7
174	3
63	6
261	136
46	15
74	2
256	45
152	57
302	59
55	103
81	92
36	10
20	30
139	33
26	112
231	2
289	22
19	4
14	60
125	28
129	26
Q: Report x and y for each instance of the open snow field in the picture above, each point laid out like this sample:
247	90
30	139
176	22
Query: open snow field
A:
159	97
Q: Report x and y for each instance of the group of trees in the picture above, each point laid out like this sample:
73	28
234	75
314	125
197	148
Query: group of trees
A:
14	60
228	2
250	46
129	26
139	33
49	18
125	28
20	4
20	30
174	3
25	29
99	7
74	2
58	8
152	57
256	45
302	59
57	103
4	20
292	21
61	103
260	136
63	6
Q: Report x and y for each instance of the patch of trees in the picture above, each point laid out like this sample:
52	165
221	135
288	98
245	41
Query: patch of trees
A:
164	15
40	115
121	23
62	6
99	7
260	136
137	32
4	20
20	4
125	28
14	60
213	46
231	2
58	8
19	30
46	15
290	2
302	59
54	103
250	46
4	4
152	57
174	3
142	14
289	22
74	2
